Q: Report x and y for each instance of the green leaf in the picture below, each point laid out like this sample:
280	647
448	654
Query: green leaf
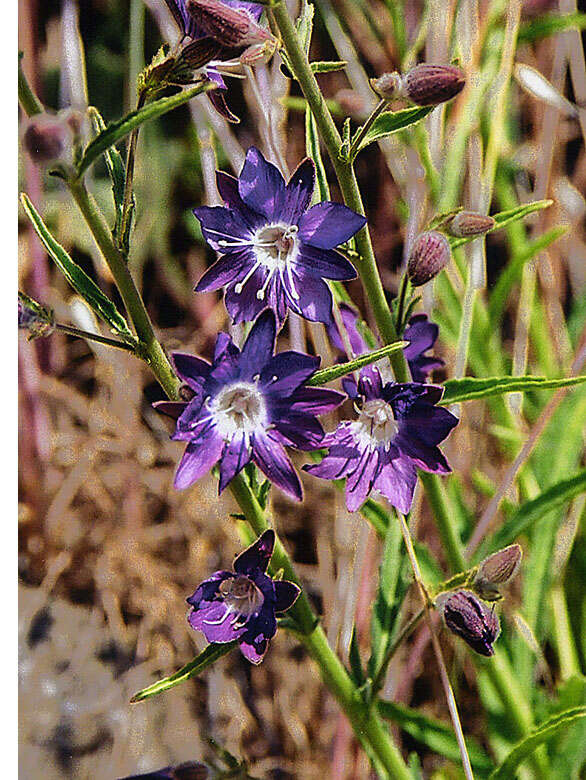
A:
322	191
328	66
538	736
212	653
531	511
391	122
471	388
122	127
549	25
435	734
504	218
341	369
354	658
76	276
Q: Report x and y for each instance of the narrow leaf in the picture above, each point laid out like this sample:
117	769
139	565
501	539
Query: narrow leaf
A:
531	511
435	734
470	388
354	658
504	218
538	736
328	66
212	653
342	369
122	127
549	25
75	275
391	122
113	158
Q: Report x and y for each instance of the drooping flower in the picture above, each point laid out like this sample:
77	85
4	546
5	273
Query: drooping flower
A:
275	250
397	431
245	406
471	619
241	604
420	333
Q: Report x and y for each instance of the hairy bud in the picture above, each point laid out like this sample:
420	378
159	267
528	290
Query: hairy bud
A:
469	223
430	85
231	27
38	320
388	86
497	569
471	619
47	138
429	254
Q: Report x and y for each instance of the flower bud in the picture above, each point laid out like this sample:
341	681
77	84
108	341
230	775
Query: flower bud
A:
469	223
429	254
47	138
388	86
233	28
497	569
429	85
259	53
471	619
38	320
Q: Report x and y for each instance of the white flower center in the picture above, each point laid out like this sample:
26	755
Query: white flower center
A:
241	595
274	248
238	408
376	424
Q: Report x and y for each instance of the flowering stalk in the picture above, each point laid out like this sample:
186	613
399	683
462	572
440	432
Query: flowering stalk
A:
346	177
84	334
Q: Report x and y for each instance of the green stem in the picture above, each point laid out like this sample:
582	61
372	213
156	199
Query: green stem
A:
404	634
30	103
84	334
379	108
149	348
129	180
452	544
367	269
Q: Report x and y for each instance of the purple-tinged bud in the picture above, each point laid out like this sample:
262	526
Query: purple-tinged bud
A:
471	619
259	53
429	254
32	316
388	86
46	138
430	85
469	223
497	569
233	28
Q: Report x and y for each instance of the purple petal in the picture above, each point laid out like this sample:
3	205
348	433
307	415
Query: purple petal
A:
350	386
327	224
326	263
245	306
226	269
314	400
223	229
271	458
207	590
286	594
429	423
172	409
261	185
287	371
218	99
299	191
333	466
397	482
299	430
198	459
228	189
425	457
310	297
350	319
259	346
256	557
224	347
215	620
421	335
235	456
260	631
192	370
370	384
250	652
359	482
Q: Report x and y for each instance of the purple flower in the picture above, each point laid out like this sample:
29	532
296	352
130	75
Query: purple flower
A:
471	619
241	604
420	332
187	23
275	250
397	431
246	405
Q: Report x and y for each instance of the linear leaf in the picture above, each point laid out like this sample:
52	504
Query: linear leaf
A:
76	276
438	736
327	66
212	653
391	122
533	510
504	218
122	127
471	388
538	736
549	25
342	369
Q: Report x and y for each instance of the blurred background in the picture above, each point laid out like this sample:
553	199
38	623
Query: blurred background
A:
109	550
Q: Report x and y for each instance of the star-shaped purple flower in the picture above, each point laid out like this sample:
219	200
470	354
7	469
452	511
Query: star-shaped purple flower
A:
275	249
397	431
241	604
420	333
246	405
